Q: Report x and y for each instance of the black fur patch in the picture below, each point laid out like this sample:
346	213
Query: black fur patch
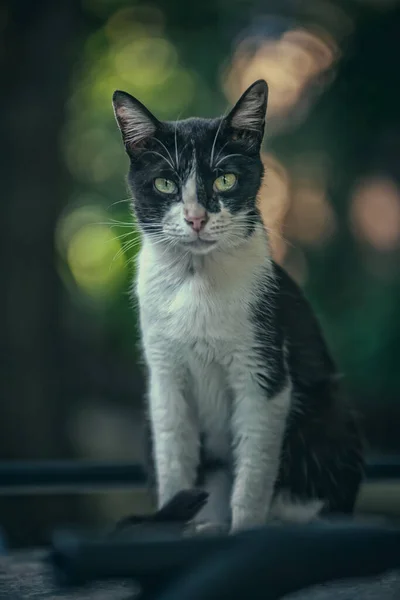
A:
322	454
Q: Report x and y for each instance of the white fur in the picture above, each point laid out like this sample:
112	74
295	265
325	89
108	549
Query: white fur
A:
217	510
258	425
285	508
189	193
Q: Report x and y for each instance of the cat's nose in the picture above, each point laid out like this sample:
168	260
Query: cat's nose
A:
196	219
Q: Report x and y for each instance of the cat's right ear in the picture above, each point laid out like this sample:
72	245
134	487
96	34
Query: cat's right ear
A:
135	122
248	115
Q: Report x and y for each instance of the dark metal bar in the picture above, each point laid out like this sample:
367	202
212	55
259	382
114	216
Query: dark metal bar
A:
383	468
22	477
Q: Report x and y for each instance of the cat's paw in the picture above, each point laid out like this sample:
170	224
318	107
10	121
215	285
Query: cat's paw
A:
206	528
244	518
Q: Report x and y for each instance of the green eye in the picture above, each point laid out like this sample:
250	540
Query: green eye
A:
225	182
165	186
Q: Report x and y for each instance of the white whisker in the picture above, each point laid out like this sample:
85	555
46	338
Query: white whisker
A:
120	237
176	145
166	150
214	142
221	149
161	156
226	157
119	201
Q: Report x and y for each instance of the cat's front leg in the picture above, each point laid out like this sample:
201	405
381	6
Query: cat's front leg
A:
174	432
258	426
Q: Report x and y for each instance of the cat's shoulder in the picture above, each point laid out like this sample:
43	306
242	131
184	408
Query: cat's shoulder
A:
278	286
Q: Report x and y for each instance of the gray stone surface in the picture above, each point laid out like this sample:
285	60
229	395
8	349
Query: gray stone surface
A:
386	587
26	576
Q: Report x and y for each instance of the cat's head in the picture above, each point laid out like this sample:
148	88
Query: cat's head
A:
195	182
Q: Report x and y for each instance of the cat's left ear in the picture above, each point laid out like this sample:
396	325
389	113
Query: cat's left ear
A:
248	115
135	121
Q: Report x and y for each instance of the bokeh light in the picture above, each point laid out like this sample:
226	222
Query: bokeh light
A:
274	202
143	61
294	65
295	209
130	51
92	251
375	213
311	219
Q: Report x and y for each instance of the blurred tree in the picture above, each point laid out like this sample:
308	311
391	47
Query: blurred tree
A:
40	43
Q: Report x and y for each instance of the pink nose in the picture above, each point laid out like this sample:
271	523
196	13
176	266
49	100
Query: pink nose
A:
196	221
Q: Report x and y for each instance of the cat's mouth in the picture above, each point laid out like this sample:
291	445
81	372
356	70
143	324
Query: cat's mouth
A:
202	241
199	241
200	245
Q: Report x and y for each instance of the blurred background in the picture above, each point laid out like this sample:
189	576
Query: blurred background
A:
71	376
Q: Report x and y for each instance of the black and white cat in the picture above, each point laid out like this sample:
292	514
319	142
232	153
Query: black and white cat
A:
243	394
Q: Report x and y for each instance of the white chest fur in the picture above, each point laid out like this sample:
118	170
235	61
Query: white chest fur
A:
201	317
208	303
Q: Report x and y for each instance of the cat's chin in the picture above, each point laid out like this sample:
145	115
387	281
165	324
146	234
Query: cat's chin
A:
201	246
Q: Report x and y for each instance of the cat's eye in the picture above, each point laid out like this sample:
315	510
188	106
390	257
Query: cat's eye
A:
165	186
225	182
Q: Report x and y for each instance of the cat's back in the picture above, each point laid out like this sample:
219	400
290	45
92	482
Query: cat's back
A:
309	357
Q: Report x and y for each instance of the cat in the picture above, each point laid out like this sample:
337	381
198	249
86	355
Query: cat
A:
243	395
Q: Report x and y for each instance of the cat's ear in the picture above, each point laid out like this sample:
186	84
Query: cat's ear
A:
136	123
249	112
